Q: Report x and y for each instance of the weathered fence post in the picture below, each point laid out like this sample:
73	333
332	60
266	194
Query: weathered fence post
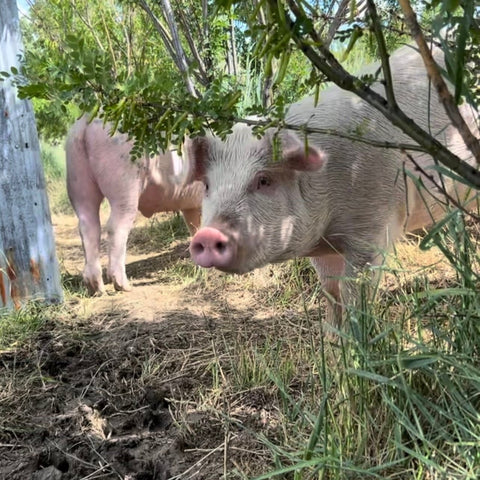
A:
28	263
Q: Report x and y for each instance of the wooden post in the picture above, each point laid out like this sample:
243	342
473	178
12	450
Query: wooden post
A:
28	263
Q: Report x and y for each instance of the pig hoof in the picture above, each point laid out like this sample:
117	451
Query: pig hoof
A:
95	292
126	287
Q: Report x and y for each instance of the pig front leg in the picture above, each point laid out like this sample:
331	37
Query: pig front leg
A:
330	270
119	225
192	219
338	276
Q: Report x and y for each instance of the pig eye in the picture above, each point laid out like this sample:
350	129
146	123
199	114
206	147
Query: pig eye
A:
205	183
263	181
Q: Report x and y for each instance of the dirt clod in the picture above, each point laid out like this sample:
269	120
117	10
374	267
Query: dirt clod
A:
49	473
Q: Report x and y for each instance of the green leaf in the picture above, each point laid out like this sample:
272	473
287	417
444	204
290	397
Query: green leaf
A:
418	361
374	377
429	240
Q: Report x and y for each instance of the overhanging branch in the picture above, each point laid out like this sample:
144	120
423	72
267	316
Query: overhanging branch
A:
382	48
325	62
434	73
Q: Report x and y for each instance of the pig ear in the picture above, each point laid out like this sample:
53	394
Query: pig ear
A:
298	155
305	158
196	152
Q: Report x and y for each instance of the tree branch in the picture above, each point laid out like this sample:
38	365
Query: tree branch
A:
304	128
324	61
177	45
382	48
434	73
202	76
180	62
87	23
232	43
440	188
109	41
167	41
336	22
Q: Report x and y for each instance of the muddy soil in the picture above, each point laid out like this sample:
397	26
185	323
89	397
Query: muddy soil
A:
111	387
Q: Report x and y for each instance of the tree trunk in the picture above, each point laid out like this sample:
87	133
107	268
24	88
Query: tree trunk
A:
28	263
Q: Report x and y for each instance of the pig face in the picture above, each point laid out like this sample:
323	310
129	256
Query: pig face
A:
255	209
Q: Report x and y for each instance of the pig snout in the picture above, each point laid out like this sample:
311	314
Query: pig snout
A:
212	248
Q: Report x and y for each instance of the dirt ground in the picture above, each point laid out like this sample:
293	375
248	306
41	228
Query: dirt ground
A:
111	387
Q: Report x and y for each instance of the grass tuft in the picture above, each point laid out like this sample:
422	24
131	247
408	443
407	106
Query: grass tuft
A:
17	326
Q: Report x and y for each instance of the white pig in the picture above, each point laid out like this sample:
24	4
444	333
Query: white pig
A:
338	201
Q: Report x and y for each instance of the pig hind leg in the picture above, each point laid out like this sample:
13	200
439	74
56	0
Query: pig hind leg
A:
118	227
87	206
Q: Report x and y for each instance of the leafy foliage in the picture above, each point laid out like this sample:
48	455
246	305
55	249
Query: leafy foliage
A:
118	59
108	59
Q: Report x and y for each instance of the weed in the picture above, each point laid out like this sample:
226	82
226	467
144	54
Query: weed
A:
159	233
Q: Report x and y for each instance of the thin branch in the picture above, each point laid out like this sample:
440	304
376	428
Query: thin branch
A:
127	31
233	44
169	44
109	41
167	41
177	45
206	31
440	188
205	39
304	128
337	20
186	28
434	73
179	60
89	26
382	48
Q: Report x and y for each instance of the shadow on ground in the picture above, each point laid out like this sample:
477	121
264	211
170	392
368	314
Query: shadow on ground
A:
109	397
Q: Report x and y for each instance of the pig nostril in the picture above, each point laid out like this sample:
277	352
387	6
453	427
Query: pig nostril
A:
220	246
198	248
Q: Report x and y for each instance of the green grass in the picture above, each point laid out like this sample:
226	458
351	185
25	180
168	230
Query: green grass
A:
17	326
53	160
158	233
396	396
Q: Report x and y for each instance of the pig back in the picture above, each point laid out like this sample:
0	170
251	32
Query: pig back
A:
367	181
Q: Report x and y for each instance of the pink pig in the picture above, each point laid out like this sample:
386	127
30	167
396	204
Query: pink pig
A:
98	167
